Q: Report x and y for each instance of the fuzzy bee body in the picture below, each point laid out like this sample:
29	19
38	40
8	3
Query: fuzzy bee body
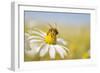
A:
51	36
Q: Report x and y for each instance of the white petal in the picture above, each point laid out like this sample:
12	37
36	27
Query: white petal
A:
52	52
35	41
44	50
38	33
65	48
60	50
27	35
35	37
61	41
36	44
30	52
39	47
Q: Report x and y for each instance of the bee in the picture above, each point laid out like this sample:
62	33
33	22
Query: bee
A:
51	35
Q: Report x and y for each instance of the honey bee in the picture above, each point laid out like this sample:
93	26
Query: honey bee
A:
51	35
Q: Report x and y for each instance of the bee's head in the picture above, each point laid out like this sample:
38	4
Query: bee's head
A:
53	31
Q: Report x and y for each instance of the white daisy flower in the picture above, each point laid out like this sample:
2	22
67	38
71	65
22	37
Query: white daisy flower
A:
43	43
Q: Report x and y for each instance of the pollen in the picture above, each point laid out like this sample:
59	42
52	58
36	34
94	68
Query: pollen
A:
50	39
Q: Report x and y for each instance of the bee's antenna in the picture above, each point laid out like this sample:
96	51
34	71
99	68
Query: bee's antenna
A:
50	25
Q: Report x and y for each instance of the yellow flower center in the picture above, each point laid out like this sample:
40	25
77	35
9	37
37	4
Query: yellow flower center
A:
50	38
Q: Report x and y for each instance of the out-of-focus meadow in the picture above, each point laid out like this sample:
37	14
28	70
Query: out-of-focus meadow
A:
74	28
77	38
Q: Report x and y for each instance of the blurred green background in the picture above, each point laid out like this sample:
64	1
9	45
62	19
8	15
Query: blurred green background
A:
77	38
73	28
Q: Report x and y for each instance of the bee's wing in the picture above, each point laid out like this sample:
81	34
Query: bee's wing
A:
50	25
55	25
